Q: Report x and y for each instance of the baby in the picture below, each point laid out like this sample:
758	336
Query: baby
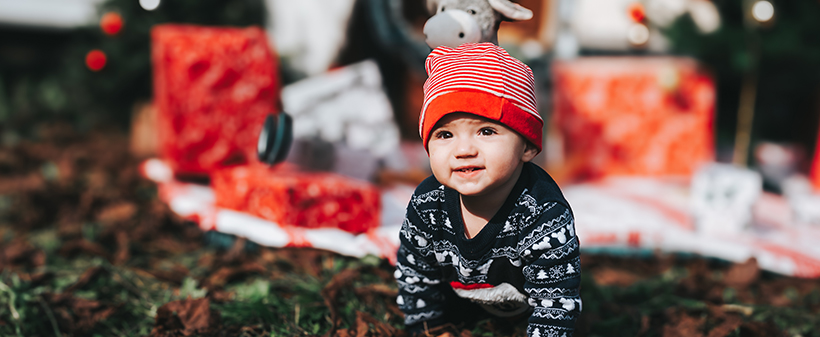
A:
489	234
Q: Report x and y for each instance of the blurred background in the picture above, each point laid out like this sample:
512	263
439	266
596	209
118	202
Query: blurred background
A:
128	146
45	75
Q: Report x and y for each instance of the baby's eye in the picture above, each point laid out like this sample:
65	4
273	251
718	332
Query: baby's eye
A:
471	11
443	135
487	131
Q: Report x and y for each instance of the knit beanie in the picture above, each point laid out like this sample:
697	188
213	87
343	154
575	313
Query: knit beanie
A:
484	80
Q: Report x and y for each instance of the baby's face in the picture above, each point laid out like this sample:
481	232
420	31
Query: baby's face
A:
476	156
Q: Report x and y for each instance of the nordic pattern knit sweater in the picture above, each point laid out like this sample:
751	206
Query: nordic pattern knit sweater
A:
524	261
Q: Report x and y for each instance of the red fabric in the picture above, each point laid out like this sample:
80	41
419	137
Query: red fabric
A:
459	285
815	170
485	105
633	116
482	79
213	88
291	198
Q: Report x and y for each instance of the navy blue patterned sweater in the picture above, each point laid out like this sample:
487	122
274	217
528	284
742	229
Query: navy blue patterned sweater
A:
524	261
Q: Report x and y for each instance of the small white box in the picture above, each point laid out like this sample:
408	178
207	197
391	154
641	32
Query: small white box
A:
722	197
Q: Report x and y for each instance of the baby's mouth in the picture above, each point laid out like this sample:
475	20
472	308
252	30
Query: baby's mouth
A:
468	169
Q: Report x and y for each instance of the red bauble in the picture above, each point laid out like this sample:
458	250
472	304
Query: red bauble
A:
111	23
636	12
95	60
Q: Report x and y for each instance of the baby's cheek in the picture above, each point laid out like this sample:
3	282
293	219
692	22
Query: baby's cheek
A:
438	166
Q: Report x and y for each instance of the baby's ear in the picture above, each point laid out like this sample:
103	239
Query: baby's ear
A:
529	152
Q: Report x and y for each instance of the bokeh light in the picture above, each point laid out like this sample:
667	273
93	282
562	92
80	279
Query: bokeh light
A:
638	34
149	5
763	11
111	23
95	60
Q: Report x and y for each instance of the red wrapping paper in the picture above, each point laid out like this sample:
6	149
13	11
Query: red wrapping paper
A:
213	88
814	175
288	197
647	116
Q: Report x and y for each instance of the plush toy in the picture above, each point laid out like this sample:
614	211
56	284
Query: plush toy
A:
456	22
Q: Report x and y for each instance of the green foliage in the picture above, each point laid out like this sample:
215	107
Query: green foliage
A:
785	54
619	310
189	289
290	303
55	84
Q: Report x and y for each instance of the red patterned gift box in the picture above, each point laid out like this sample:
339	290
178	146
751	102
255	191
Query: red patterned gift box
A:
213	88
647	116
305	199
815	167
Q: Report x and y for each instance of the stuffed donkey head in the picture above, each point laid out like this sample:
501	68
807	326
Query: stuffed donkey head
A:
456	22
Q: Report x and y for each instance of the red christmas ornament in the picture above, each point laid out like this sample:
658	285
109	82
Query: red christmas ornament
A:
95	60
111	23
636	12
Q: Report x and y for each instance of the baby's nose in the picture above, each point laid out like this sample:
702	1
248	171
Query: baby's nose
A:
465	148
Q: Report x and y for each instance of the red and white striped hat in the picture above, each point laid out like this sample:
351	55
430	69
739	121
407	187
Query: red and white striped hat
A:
484	80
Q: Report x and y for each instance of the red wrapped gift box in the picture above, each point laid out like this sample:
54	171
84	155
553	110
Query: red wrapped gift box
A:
648	116
289	197
213	88
815	167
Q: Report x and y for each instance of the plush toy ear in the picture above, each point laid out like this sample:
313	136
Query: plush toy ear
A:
511	10
432	6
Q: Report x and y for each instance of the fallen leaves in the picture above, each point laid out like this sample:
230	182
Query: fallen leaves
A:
742	275
728	317
186	317
613	271
364	321
681	324
615	277
20	254
383	293
331	291
117	212
119	262
729	325
225	274
685	296
22	184
78	315
83	246
123	252
760	329
174	275
87	277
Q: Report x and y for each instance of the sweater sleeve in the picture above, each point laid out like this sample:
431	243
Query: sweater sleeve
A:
418	275
552	273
